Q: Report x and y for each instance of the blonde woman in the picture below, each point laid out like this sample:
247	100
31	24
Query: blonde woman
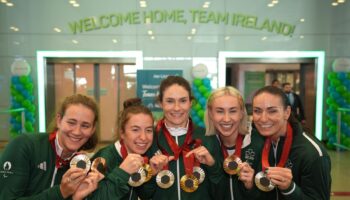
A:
226	117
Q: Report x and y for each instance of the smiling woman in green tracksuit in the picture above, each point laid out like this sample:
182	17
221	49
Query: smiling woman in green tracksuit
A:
126	156
187	146
226	117
35	166
296	163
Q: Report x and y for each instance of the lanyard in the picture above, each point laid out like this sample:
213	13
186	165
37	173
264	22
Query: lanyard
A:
238	149
285	152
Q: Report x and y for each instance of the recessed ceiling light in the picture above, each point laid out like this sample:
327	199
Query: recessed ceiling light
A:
57	30
274	1
206	4
75	41
189	37
14	28
264	38
227	37
334	3
148	20
115	40
72	2
3	1
76	5
341	1
143	4
302	20
270	5
9	4
150	32
193	31
152	37
301	37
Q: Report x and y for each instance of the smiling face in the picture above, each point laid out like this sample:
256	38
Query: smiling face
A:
226	115
176	105
75	127
138	133
269	115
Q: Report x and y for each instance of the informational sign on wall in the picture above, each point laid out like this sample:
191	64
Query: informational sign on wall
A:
148	82
253	82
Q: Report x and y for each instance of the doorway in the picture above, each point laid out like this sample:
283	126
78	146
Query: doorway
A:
109	81
304	69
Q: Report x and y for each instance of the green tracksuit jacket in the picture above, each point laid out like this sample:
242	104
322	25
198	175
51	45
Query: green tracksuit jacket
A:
310	165
213	173
27	168
230	188
115	184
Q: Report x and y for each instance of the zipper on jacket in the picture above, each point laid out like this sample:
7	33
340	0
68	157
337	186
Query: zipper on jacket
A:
231	190
53	177
178	173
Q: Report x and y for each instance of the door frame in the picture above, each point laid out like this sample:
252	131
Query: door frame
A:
42	57
318	56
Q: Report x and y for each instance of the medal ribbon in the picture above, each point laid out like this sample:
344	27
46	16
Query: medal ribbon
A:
190	161
239	142
285	151
170	140
59	162
197	143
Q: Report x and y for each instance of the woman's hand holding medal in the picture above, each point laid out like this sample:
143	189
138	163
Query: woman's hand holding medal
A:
280	176
246	175
132	163
90	183
202	155
159	161
71	180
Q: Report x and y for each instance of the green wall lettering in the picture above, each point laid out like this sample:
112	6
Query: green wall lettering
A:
198	16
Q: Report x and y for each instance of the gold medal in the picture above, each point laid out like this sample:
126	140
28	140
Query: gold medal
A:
263	183
231	164
99	164
81	161
199	173
148	172
189	183
165	179
138	178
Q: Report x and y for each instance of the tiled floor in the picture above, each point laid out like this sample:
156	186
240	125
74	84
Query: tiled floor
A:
340	173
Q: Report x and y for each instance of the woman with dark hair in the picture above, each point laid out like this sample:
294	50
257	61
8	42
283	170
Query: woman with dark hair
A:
191	168
294	164
36	166
126	162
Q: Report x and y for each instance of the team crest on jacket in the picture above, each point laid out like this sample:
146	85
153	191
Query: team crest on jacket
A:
6	169
249	156
289	164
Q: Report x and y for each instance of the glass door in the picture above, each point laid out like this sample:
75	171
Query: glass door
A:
109	84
